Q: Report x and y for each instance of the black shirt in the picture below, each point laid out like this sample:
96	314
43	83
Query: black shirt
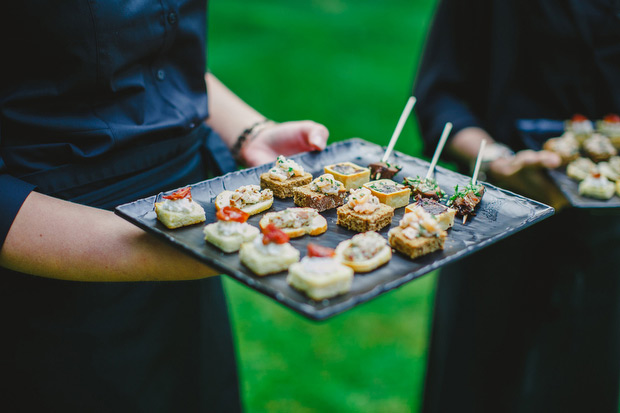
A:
490	63
103	103
84	79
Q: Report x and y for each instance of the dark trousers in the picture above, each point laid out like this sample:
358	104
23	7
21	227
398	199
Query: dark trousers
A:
531	324
120	347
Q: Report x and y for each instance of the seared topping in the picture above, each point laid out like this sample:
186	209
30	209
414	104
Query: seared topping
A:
346	168
466	200
386	186
431	206
424	188
385	170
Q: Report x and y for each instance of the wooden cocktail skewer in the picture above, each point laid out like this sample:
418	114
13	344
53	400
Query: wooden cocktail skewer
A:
399	127
474	176
478	161
442	142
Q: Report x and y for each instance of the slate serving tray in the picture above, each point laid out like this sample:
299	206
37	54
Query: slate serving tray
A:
570	189
534	133
501	214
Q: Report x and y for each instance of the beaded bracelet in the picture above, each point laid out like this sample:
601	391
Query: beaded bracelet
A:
248	133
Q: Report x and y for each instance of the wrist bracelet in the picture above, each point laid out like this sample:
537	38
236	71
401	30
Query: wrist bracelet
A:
248	133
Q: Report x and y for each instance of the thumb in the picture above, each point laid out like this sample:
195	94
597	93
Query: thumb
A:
317	137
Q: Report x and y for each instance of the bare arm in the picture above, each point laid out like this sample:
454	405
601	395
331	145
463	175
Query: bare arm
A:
230	115
59	239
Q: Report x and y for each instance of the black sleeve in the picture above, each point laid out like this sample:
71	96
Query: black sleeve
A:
452	75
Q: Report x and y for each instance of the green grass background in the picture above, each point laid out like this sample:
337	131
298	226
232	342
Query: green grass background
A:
349	64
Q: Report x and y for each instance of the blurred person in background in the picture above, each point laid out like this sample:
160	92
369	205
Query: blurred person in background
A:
532	323
102	104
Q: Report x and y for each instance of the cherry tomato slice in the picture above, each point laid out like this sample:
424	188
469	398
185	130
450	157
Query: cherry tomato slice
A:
180	194
578	117
315	250
231	213
612	118
271	233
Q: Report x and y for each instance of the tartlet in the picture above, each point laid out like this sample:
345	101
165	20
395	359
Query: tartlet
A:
390	192
351	175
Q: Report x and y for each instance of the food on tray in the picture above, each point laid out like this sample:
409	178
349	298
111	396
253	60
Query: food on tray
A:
248	198
285	175
580	127
596	186
231	229
580	168
466	200
611	169
390	192
296	222
179	210
443	214
364	252
319	274
417	234
269	253
351	175
599	148
424	188
363	212
383	170
566	146
610	127
322	193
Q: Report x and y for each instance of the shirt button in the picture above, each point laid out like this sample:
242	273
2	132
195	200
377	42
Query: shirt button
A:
161	75
172	18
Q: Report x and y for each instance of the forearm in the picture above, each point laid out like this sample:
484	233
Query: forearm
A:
59	239
465	144
229	115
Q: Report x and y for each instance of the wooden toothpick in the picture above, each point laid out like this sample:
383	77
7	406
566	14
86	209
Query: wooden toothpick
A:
399	127
474	176
442	142
478	161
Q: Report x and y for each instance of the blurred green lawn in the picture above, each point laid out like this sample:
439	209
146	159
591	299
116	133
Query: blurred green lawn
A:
349	64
